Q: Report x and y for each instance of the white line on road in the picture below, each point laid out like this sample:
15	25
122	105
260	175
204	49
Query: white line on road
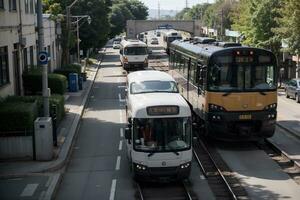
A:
202	177
29	190
118	163
121	132
122	86
120	145
121	116
113	189
120	98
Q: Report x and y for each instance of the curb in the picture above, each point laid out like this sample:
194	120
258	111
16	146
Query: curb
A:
53	187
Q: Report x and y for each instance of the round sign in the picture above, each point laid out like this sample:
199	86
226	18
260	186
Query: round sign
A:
43	57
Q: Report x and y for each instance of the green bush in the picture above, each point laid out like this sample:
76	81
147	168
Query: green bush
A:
18	116
65	71
55	100
76	67
32	82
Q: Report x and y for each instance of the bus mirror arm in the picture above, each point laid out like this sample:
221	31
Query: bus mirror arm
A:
128	133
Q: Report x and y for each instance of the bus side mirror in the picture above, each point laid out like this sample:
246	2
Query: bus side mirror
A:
128	133
121	52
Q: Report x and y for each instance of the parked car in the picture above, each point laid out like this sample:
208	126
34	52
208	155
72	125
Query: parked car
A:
292	89
154	40
116	45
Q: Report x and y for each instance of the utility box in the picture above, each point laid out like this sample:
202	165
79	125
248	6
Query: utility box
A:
73	82
43	138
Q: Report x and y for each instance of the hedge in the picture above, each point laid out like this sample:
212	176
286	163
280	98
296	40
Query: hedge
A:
17	116
57	100
66	70
32	82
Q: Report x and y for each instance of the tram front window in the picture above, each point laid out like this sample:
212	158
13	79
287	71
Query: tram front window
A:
153	86
162	134
226	75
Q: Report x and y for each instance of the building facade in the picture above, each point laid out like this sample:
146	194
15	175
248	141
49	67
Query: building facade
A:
19	45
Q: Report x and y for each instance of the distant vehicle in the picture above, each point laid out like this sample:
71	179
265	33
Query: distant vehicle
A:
154	41
133	54
158	33
159	132
117	39
169	36
292	89
116	45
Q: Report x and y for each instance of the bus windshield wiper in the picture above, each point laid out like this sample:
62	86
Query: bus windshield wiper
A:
151	154
226	94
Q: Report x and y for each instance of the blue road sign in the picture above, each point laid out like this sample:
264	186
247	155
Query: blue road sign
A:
43	58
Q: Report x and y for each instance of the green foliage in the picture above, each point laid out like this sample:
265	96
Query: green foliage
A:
123	10
17	116
55	100
289	24
32	82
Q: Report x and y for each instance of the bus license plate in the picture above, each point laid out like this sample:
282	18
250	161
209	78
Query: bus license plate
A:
245	117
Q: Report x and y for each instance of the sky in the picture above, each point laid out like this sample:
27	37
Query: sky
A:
172	4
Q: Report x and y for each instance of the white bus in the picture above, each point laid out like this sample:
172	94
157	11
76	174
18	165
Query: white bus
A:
159	132
169	36
133	54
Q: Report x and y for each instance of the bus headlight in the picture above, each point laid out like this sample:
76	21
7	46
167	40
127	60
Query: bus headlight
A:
185	165
146	61
140	167
215	108
272	106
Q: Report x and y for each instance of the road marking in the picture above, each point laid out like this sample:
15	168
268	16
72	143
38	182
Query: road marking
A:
121	116
29	190
122	86
118	163
202	177
120	145
121	132
113	189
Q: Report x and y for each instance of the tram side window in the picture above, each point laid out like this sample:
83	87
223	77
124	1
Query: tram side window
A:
172	55
185	65
177	61
202	76
193	72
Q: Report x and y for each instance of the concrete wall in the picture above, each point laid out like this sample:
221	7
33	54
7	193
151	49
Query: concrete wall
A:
135	27
16	147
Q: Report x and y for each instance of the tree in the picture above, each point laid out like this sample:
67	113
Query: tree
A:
289	24
255	19
123	10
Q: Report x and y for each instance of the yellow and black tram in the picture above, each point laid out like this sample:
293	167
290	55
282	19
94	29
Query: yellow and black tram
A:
232	89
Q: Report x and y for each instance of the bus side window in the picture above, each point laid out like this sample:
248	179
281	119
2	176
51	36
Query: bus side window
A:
193	74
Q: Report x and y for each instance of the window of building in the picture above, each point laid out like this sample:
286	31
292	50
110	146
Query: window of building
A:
26	6
31	6
2	4
12	4
4	72
25	60
31	56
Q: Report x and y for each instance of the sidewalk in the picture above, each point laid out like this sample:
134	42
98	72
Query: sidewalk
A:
40	171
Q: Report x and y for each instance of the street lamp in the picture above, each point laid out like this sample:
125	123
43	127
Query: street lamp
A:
78	19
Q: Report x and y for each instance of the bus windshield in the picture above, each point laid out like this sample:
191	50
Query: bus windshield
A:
153	86
131	51
241	75
171	39
162	134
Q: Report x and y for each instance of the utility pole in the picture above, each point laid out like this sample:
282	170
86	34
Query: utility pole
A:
222	24
158	11
186	3
45	90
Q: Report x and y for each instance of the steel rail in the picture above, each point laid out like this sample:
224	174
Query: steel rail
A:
218	170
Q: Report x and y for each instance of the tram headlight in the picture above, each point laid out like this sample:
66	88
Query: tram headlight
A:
271	106
185	165
215	108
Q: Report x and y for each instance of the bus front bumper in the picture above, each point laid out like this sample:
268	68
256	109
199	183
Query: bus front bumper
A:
144	173
135	65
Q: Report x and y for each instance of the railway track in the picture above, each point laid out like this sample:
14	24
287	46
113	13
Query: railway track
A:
284	160
158	191
158	65
221	180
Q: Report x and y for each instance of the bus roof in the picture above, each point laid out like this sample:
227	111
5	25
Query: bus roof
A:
148	75
140	103
132	43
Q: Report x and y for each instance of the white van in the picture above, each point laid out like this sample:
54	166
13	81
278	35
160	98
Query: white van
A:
133	54
159	132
